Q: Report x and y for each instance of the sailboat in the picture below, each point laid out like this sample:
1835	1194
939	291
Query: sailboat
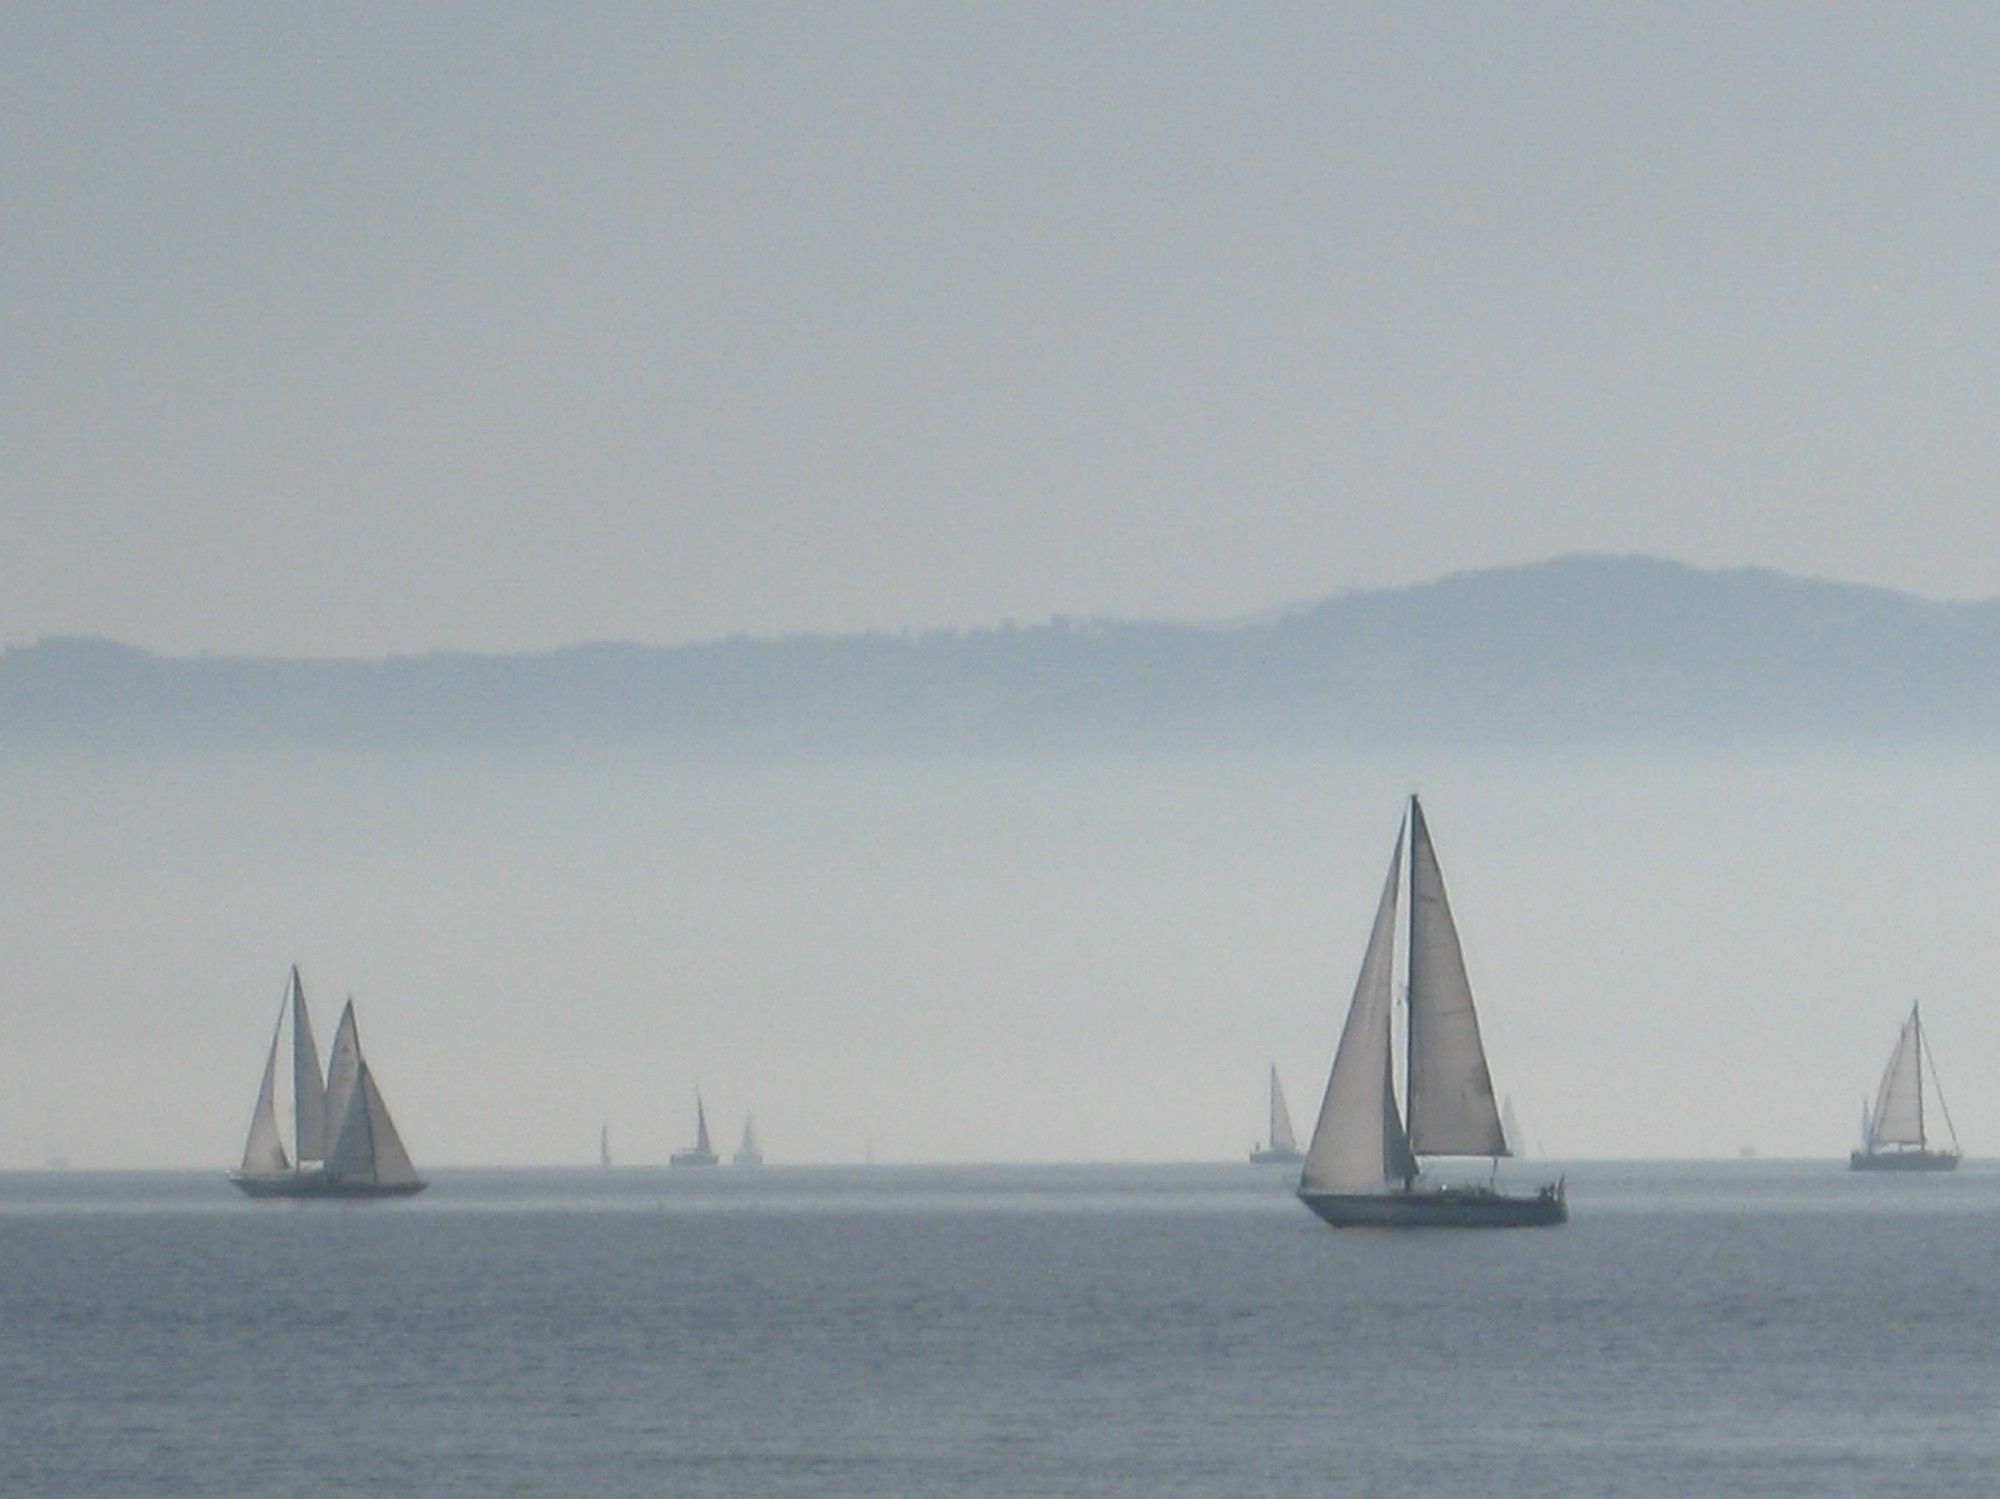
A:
1362	1167
1283	1147
1893	1133
701	1153
345	1144
604	1145
751	1151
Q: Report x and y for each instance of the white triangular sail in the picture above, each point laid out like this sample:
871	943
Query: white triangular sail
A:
343	1066
1282	1137
1899	1106
263	1151
701	1127
308	1088
1450	1105
1356	1143
750	1145
368	1148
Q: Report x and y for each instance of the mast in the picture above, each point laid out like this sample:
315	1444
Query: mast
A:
1917	1026
1925	1045
310	1123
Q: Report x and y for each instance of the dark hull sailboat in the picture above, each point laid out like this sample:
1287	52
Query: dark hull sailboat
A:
1895	1133
346	1143
308	1185
1902	1160
1443	1207
1363	1168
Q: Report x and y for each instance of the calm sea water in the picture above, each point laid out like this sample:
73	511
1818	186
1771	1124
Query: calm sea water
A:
1755	1329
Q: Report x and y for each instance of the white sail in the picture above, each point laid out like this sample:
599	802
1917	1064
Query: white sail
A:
1450	1105
604	1147
1357	1141
1510	1126
1282	1137
368	1148
343	1066
701	1127
263	1151
751	1151
308	1089
1899	1107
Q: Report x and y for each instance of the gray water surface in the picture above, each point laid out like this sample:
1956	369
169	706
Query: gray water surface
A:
1767	1328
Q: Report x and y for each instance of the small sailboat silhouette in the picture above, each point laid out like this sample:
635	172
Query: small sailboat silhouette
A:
701	1153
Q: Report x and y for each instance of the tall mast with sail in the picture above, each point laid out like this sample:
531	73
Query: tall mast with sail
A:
1895	1135
750	1151
345	1144
1362	1166
701	1153
1281	1146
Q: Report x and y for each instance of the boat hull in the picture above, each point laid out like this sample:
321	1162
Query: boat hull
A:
314	1187
1276	1157
1902	1160
693	1158
1447	1208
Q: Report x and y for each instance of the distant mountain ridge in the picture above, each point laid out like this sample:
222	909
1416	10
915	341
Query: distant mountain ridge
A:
1584	649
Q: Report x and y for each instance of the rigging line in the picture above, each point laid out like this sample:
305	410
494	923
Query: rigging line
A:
1924	1041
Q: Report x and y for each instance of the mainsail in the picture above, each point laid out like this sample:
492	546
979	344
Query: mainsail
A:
1899	1106
263	1151
1282	1137
1451	1108
308	1090
701	1127
1358	1142
368	1148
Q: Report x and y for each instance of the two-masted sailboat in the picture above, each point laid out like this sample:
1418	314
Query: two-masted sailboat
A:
344	1144
1894	1133
701	1153
1282	1148
1362	1168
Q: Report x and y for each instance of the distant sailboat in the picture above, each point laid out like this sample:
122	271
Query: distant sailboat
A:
604	1145
701	1153
1362	1166
751	1151
1283	1146
345	1141
1894	1136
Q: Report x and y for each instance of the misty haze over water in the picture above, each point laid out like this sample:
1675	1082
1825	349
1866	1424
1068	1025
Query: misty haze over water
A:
957	952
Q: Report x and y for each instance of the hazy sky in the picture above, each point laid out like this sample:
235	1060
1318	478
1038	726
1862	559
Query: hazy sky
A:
364	328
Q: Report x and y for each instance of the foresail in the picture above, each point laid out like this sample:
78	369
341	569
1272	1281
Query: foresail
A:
1282	1137
1451	1107
368	1148
1352	1141
393	1167
749	1145
263	1151
1899	1114
343	1066
308	1088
